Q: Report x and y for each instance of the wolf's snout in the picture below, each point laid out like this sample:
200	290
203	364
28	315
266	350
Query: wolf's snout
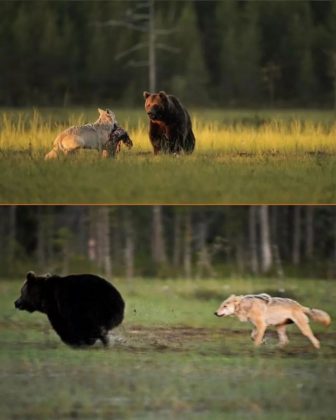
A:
216	313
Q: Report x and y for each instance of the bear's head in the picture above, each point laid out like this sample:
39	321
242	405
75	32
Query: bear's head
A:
156	105
31	293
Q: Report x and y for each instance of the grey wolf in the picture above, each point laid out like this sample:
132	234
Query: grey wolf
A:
262	310
81	308
170	129
88	136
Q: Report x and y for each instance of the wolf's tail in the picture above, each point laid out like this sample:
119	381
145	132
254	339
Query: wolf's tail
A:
318	315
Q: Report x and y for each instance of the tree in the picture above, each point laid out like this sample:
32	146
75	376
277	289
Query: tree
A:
187	263
190	79
158	240
253	239
265	240
296	235
129	244
309	236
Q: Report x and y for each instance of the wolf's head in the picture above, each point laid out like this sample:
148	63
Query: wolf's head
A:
106	117
228	306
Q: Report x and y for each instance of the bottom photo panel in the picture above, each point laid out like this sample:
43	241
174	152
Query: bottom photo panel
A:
167	312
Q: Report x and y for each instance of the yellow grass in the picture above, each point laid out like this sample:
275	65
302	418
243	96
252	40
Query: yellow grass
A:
36	131
240	157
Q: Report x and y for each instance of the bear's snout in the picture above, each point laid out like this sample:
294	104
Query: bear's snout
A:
18	304
152	114
23	305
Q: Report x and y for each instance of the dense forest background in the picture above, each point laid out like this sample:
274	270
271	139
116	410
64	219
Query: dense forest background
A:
210	53
169	241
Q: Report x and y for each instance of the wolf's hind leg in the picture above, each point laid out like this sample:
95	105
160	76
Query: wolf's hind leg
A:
281	330
302	323
70	144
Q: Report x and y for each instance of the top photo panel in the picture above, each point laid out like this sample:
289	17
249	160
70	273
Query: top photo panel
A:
168	102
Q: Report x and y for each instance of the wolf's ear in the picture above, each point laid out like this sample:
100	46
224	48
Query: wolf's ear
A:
146	94
30	276
101	111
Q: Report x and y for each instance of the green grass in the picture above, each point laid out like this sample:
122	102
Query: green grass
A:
240	157
171	358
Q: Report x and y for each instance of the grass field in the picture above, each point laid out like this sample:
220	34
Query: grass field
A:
240	157
171	358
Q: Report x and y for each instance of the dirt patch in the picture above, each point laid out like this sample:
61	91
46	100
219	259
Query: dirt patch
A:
230	342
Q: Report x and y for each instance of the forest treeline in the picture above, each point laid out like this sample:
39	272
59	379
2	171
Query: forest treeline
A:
210	53
169	241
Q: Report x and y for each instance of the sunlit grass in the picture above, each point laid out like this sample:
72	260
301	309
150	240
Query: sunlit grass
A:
280	133
240	157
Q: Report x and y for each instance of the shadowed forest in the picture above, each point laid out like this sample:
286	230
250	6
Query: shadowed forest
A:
280	53
168	242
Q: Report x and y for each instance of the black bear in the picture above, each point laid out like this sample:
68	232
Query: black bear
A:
81	308
170	129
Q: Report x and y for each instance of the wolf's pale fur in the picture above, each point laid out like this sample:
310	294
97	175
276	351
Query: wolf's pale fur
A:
88	136
263	310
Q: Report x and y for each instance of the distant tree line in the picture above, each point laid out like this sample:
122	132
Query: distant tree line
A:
220	53
169	241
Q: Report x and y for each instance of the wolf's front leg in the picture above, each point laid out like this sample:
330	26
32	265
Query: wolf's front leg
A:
253	334
260	331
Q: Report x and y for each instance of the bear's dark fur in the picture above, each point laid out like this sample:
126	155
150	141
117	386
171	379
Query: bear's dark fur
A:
170	129
81	308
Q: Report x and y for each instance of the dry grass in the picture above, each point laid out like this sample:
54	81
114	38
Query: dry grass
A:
242	157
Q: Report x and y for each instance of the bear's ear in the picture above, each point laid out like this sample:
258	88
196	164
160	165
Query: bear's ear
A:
162	94
31	275
146	94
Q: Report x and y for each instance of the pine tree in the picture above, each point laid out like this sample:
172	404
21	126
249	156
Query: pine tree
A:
190	80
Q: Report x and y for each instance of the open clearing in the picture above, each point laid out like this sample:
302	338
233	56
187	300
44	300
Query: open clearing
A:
171	358
240	157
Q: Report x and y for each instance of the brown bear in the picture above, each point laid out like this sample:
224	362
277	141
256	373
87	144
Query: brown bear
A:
81	308
170	129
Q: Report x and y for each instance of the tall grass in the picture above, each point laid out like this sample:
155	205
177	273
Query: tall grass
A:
240	157
216	132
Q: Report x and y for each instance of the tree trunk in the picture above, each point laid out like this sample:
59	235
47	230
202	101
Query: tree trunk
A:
253	239
203	262
177	239
41	237
296	255
266	250
104	257
129	245
187	245
11	235
158	244
309	239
